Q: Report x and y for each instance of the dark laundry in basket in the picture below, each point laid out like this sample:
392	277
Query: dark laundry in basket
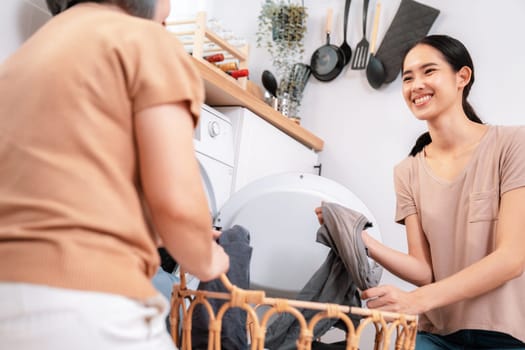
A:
236	243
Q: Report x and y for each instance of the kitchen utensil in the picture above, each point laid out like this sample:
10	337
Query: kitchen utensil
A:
361	50
345	48
269	82
291	90
375	72
328	60
411	23
300	74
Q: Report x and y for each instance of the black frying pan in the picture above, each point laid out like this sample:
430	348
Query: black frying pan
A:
328	60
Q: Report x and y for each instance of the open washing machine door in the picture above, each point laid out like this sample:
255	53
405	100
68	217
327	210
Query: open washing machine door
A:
278	211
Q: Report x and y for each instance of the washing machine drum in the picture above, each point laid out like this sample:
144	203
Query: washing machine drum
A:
278	211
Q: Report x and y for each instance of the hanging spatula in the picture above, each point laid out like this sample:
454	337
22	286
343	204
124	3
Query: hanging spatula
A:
361	50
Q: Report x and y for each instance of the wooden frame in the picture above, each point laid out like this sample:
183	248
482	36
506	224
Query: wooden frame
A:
196	34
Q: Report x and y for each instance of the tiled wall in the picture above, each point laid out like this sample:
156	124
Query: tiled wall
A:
18	20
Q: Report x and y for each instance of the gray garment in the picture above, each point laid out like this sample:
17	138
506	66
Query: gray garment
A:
342	232
345	269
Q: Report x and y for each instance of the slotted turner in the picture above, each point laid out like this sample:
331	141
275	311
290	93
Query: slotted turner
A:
361	51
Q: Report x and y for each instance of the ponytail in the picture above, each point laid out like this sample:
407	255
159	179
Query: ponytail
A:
469	111
423	140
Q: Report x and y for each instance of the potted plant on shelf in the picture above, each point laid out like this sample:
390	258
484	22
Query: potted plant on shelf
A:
281	30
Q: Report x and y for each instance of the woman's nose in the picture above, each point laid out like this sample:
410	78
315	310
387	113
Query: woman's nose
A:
418	83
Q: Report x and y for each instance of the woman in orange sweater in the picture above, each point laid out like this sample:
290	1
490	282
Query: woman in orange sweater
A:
97	111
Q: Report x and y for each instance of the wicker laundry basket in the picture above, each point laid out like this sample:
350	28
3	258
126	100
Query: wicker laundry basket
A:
401	328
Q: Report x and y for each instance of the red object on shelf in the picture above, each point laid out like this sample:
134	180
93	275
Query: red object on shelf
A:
240	73
214	58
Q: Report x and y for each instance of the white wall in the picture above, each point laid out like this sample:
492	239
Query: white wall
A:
18	20
366	131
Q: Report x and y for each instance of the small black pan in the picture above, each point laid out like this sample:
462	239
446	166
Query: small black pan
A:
328	61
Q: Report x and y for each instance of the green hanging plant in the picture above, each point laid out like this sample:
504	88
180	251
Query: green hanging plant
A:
281	30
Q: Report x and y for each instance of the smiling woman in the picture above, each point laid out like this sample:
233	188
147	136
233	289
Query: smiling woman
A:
461	196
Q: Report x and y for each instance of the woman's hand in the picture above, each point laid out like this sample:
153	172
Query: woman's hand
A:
220	262
215	234
319	213
393	299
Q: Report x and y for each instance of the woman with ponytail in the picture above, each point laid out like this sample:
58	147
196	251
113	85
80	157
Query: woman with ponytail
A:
97	113
461	196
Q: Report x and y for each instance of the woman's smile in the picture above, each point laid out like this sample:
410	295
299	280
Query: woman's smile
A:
422	100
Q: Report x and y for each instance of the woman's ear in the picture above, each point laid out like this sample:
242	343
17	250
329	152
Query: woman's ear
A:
463	76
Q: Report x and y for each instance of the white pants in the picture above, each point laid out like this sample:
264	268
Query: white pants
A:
45	318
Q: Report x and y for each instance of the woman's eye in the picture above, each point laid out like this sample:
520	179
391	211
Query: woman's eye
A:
429	70
407	78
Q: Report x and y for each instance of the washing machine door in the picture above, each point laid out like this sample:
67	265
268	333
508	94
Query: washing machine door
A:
216	180
278	211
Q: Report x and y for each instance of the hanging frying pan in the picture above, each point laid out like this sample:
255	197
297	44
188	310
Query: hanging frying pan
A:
328	60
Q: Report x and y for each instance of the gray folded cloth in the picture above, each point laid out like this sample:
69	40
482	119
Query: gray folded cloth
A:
411	23
342	232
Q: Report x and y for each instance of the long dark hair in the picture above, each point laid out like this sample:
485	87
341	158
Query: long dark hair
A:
457	55
139	8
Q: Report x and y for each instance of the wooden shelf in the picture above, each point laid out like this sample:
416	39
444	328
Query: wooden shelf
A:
200	41
222	90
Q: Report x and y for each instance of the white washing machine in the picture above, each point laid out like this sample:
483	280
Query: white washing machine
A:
213	140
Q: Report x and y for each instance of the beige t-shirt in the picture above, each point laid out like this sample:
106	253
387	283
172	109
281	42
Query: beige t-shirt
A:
459	220
70	208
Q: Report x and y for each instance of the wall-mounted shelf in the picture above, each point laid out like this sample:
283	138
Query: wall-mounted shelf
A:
221	91
200	41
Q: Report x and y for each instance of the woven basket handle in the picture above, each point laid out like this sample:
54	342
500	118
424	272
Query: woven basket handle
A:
224	279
